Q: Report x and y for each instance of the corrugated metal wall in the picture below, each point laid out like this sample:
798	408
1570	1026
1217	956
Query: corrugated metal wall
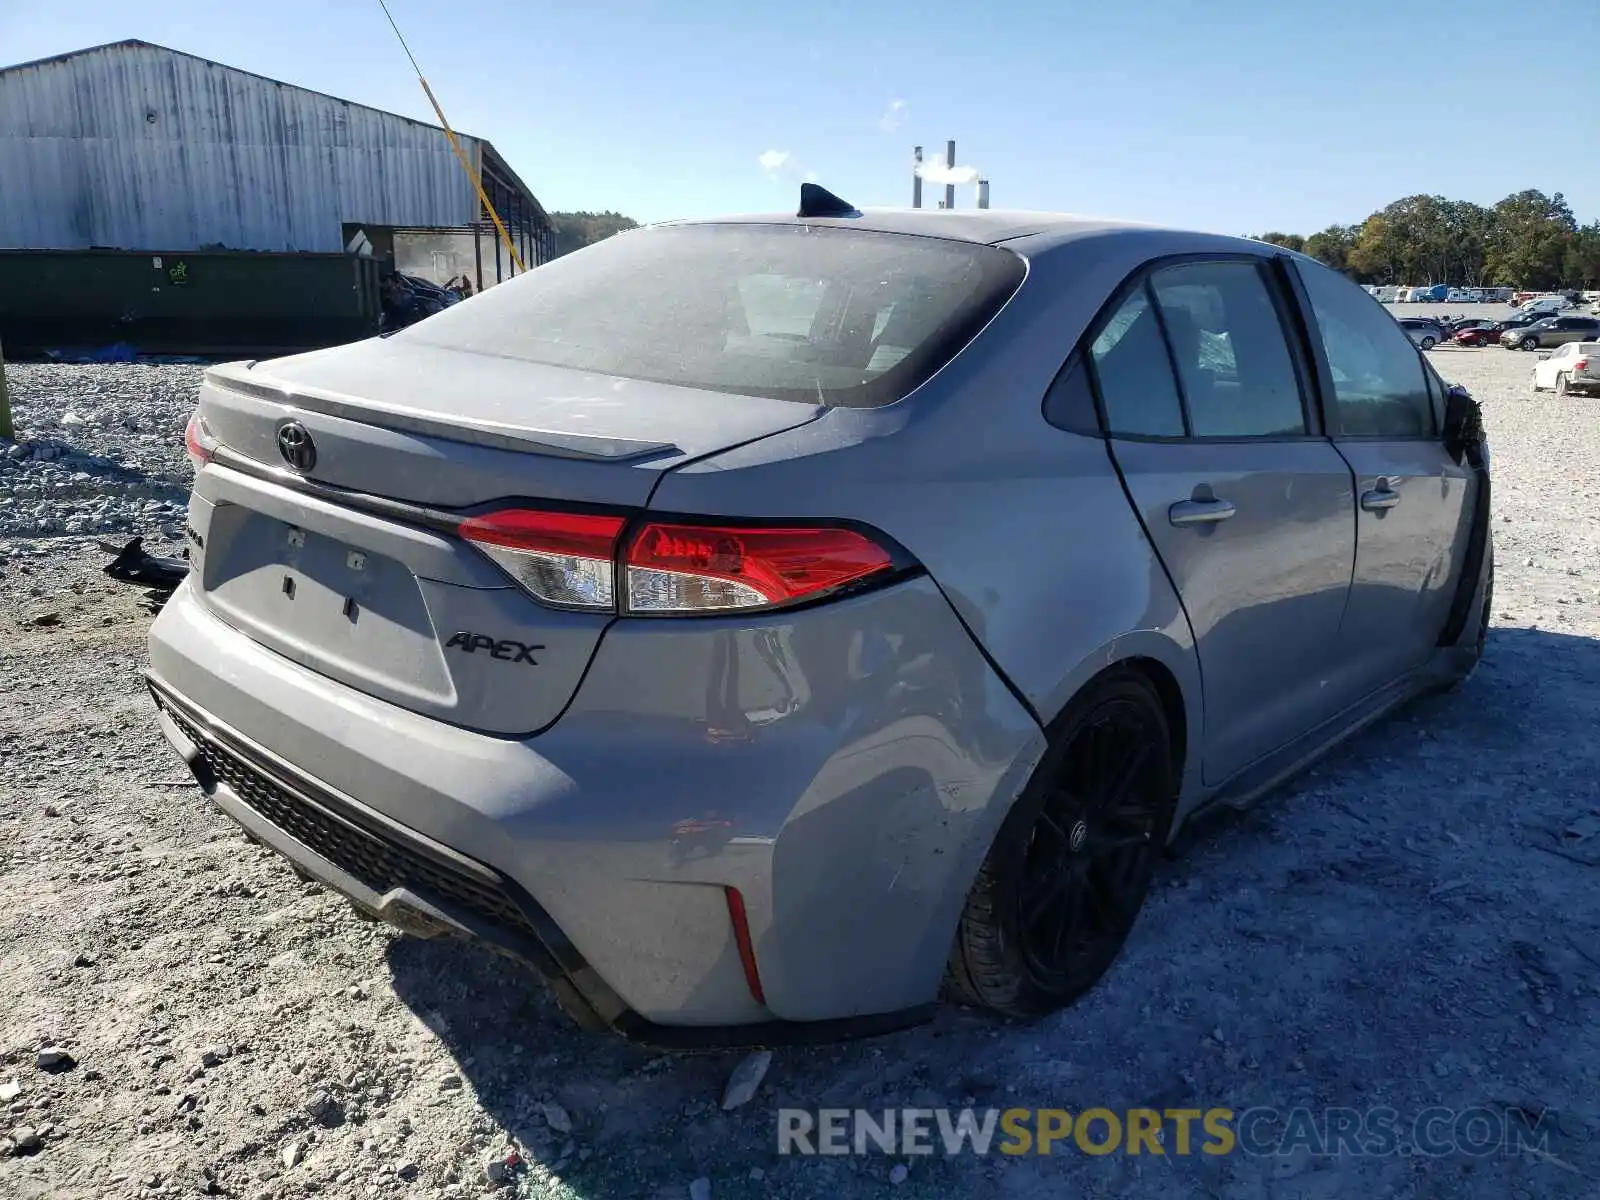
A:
142	148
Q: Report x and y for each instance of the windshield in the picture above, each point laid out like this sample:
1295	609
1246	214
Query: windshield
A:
834	316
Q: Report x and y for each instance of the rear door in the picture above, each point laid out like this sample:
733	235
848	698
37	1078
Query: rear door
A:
1250	510
1575	329
1384	412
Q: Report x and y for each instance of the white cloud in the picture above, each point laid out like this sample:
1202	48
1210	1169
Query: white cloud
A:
938	173
893	116
811	176
772	160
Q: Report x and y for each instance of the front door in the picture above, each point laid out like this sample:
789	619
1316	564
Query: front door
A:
1385	412
1249	511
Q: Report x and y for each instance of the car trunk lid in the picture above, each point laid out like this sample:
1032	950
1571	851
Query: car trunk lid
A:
407	421
350	565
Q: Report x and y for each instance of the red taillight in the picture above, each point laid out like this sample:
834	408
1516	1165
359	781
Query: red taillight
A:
572	560
563	559
707	568
1581	365
198	442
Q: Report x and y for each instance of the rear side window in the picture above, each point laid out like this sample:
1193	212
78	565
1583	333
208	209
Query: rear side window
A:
1238	378
843	317
1134	373
1378	384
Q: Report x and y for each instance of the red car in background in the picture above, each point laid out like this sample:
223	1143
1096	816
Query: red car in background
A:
1488	334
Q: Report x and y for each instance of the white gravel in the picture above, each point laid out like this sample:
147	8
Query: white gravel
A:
1408	926
99	449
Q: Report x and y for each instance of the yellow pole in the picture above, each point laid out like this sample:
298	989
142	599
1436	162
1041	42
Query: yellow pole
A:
461	155
477	180
6	431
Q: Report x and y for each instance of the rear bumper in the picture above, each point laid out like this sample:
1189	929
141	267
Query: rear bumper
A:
850	816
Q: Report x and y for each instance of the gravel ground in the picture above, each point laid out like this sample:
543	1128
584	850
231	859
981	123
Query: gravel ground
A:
1412	925
99	450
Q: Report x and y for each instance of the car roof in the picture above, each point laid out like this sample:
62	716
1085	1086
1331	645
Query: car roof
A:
986	226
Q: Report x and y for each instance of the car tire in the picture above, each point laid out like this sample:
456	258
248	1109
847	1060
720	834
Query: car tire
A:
1428	343
1561	386
1529	343
1068	872
1485	614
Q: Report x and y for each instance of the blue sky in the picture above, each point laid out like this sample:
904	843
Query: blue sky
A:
1239	116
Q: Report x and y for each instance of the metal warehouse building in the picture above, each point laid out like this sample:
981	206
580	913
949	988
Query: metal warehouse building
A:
158	199
133	146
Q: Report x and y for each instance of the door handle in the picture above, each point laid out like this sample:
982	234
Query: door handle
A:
1380	498
1200	512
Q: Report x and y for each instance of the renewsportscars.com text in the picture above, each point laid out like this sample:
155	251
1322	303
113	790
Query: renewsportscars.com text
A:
1432	1132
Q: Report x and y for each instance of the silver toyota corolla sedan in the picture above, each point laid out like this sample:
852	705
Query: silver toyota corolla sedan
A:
760	626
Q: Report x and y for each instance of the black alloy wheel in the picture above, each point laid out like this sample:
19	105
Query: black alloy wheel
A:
1070	869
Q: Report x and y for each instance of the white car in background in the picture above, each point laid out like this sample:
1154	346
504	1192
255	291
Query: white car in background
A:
1574	367
1548	305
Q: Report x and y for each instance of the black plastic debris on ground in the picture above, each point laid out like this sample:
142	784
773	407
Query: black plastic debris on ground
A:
134	564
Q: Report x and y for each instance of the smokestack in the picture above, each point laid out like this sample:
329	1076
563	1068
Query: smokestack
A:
950	161
983	193
916	177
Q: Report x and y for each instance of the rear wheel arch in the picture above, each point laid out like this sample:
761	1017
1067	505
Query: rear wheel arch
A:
1162	680
984	967
1170	693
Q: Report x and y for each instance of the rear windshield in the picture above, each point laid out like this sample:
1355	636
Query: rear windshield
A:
841	317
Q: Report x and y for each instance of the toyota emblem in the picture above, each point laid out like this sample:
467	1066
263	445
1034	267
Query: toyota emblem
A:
296	446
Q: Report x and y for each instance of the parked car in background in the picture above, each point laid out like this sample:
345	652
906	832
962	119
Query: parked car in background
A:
610	621
1574	367
1491	334
1458	330
1546	304
407	299
1424	331
1552	331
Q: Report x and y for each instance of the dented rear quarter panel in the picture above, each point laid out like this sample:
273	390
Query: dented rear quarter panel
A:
1024	527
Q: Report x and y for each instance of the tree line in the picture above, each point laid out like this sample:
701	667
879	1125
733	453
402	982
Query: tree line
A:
1528	240
575	230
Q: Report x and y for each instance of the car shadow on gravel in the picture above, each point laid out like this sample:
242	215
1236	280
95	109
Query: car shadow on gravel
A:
1533	687
550	1086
